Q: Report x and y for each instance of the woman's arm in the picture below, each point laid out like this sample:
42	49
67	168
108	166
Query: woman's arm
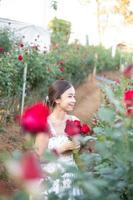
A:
67	146
41	143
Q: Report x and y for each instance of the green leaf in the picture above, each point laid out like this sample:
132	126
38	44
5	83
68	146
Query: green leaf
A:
112	98
21	196
106	114
98	130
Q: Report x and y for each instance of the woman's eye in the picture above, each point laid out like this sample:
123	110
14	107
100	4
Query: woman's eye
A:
70	96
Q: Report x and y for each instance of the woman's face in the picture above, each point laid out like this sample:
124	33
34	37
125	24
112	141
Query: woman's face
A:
67	100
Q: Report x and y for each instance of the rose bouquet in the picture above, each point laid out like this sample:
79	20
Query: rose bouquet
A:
75	131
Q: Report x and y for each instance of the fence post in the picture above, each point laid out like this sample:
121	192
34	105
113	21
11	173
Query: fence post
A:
24	87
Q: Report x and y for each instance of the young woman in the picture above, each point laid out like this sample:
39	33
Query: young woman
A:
61	100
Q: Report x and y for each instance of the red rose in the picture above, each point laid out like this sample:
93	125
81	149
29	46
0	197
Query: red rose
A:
85	129
21	45
62	69
61	62
1	49
128	71
20	57
94	121
129	112
30	167
117	81
128	95
77	123
34	118
71	129
128	98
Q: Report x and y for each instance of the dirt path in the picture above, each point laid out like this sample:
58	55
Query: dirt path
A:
89	95
88	99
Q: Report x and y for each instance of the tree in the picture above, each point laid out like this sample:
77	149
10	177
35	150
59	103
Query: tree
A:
124	8
61	30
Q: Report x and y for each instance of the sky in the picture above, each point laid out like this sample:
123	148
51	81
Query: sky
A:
81	16
38	12
30	11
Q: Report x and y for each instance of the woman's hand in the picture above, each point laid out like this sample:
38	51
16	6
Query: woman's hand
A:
67	146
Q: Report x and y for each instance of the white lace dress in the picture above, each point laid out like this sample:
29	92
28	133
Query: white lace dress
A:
61	164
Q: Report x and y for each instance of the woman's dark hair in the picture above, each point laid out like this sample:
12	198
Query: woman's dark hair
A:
56	90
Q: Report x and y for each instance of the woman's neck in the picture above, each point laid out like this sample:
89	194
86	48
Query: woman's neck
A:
58	115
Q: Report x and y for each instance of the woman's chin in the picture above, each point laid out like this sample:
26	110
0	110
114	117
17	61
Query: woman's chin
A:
70	109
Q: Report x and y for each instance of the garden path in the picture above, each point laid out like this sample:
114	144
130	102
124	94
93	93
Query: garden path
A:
89	95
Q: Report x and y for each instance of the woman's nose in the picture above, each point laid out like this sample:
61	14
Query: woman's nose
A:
74	100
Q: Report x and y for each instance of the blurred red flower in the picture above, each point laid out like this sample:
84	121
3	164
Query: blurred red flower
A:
128	98
85	129
117	81
34	118
62	69
128	71
94	121
21	45
128	95
1	49
30	167
129	112
20	57
61	62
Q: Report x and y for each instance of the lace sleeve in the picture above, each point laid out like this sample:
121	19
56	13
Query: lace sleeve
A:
51	129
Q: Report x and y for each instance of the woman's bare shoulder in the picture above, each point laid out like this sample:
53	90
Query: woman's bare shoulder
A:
73	117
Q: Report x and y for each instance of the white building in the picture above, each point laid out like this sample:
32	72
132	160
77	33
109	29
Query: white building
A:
28	33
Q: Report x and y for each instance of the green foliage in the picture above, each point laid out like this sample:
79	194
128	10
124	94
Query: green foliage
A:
61	30
6	38
114	144
101	58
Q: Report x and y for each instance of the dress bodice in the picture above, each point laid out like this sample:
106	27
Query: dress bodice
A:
55	140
